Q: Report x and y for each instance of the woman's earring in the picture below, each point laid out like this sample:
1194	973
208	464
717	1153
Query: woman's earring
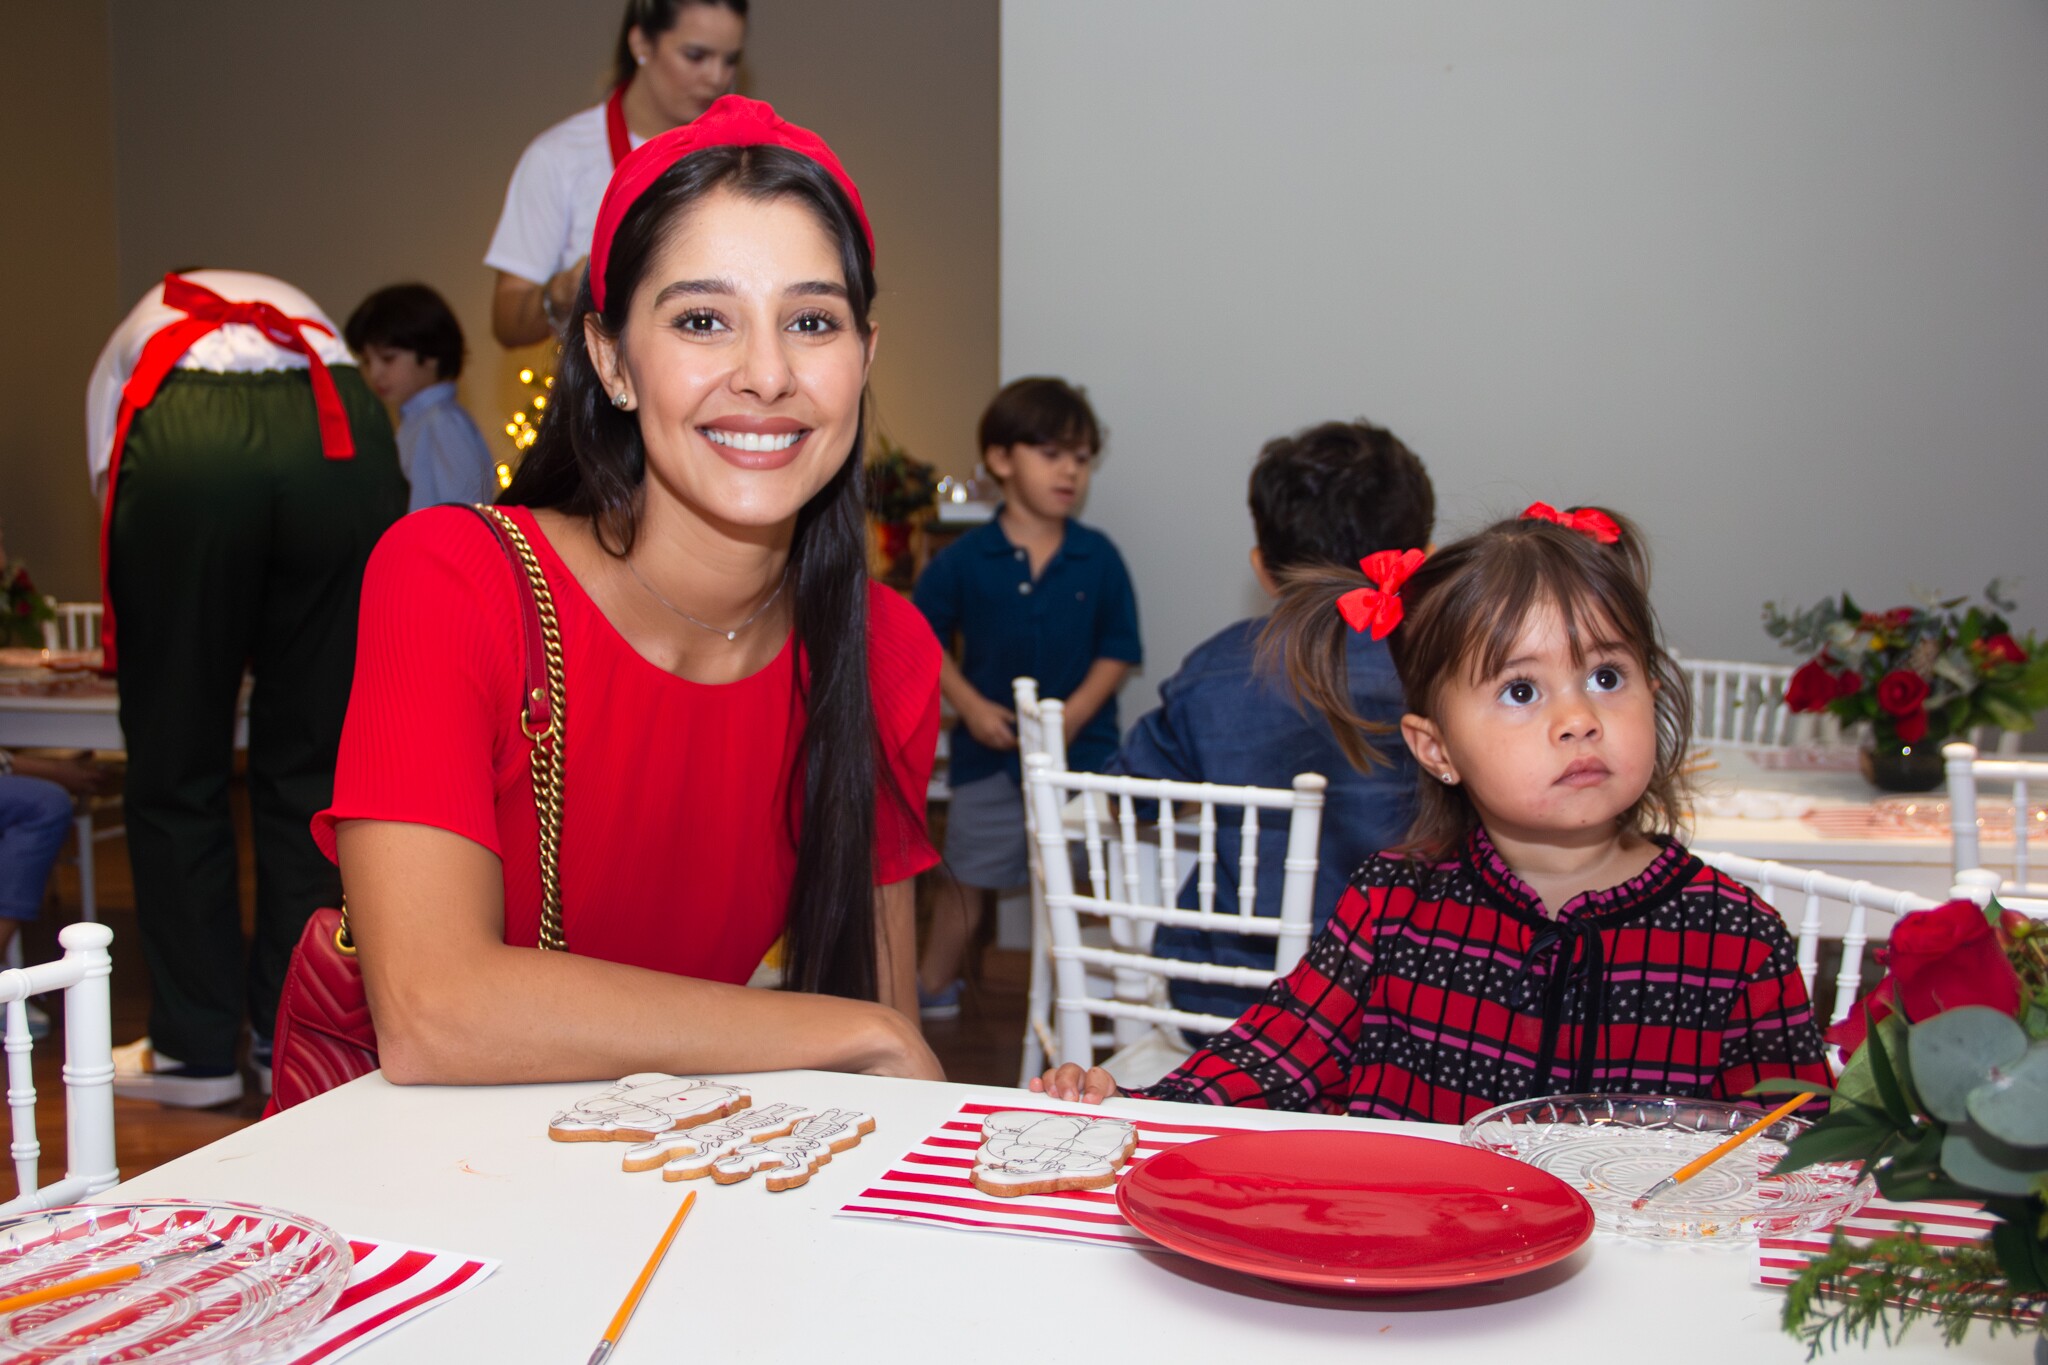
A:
1448	779
621	402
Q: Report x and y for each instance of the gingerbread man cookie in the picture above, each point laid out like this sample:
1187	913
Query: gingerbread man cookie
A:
791	1159
1024	1153
687	1153
642	1107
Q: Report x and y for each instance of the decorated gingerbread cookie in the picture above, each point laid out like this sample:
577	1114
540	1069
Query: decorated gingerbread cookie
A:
687	1153
642	1107
791	1159
1024	1153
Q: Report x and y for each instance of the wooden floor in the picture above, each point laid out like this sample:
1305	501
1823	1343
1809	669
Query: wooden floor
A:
983	1045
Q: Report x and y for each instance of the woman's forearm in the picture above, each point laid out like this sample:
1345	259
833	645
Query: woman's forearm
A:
896	947
454	1005
516	1015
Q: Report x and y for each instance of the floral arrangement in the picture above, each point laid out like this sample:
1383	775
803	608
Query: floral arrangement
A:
1915	673
24	606
899	486
1945	1096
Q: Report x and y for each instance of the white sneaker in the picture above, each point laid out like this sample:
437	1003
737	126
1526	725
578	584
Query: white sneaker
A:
143	1073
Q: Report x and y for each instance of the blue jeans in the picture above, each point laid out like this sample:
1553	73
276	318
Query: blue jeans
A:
34	817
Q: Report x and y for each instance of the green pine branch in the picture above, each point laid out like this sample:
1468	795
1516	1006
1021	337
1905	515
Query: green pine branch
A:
1859	1291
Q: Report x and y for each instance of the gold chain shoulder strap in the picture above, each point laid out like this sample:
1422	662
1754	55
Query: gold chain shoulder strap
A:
545	761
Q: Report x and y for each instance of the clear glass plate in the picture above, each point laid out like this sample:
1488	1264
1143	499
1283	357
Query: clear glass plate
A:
1612	1148
277	1275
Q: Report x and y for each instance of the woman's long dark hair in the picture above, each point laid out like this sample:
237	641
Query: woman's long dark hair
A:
589	461
654	18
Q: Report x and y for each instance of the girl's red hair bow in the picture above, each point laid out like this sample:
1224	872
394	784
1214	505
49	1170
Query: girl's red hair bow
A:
1587	520
1378	609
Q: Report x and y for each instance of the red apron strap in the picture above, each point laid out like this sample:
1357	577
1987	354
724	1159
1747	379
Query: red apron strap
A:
615	123
207	312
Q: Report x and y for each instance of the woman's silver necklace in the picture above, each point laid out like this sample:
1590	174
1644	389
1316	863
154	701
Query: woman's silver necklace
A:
732	634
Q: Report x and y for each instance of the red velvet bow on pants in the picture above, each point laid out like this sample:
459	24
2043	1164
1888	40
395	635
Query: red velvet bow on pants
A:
207	312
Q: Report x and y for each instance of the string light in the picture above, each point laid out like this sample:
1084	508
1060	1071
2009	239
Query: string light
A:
524	429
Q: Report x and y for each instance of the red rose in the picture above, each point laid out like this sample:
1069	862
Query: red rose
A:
1812	687
2001	649
1938	960
1947	957
1876	1005
1900	692
1911	727
1848	684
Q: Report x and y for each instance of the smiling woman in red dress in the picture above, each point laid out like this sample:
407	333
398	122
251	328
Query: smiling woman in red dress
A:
750	722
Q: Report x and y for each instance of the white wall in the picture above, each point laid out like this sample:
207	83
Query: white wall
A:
1772	279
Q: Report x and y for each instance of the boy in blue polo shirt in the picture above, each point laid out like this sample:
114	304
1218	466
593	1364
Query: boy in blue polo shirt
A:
1036	594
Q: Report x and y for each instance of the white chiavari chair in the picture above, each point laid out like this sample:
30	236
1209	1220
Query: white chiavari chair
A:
1799	894
82	975
1041	729
76	629
1744	704
1969	815
1110	834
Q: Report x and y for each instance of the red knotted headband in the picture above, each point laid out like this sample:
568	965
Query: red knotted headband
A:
731	121
1589	521
1378	608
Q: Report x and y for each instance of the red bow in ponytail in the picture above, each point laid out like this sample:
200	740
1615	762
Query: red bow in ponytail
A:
1378	608
1587	521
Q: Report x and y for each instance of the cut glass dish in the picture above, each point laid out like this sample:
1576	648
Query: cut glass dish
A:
1613	1148
275	1276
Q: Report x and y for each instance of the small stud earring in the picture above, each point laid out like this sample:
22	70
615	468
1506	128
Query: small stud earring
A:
621	402
1448	779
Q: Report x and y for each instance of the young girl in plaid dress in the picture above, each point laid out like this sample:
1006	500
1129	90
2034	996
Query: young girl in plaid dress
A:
1541	931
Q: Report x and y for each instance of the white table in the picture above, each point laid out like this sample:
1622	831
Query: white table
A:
1903	863
761	1277
85	719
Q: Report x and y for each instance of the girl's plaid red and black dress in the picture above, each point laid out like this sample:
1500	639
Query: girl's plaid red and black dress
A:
1441	988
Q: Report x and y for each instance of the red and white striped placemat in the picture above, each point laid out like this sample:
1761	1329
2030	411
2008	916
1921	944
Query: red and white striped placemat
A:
930	1185
1867	822
1779	1259
391	1284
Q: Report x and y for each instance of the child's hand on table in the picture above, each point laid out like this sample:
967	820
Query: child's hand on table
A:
1069	1082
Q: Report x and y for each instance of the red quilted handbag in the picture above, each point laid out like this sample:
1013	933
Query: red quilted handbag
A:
325	1035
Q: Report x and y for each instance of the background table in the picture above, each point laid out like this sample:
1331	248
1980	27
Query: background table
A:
1903	862
764	1277
86	715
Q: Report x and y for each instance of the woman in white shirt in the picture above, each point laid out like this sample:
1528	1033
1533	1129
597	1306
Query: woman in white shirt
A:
674	58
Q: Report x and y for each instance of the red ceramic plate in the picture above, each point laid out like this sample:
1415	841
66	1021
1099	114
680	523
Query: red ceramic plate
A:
1360	1212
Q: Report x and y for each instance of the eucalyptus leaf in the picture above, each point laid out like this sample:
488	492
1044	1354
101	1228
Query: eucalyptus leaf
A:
2021	1257
2003	712
2013	1105
1833	1140
1954	667
1787	1085
1955	1052
1890	1093
1856	1084
1967	1163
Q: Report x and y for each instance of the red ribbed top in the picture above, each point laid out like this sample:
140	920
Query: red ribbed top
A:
678	828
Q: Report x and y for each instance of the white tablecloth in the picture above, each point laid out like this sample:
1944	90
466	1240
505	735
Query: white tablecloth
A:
776	1277
1903	862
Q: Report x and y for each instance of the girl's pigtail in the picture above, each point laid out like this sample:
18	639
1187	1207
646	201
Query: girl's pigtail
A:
1307	638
